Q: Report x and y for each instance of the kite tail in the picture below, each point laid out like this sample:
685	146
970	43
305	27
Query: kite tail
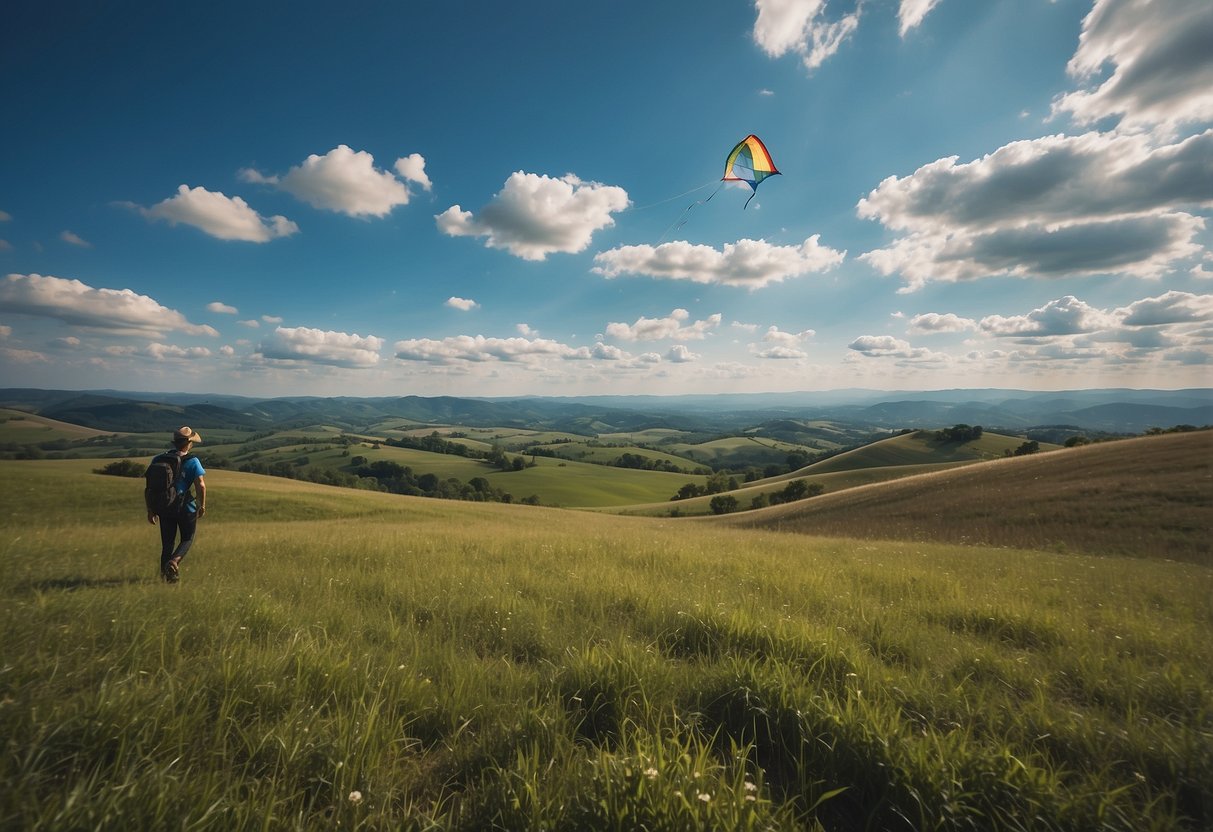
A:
747	202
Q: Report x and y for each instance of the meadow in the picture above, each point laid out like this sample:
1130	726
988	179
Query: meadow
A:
342	659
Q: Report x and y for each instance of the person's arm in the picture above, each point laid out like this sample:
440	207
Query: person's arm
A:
200	490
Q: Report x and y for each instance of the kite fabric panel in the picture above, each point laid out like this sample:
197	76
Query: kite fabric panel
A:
749	162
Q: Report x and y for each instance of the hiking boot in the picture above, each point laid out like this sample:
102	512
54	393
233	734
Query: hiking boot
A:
171	572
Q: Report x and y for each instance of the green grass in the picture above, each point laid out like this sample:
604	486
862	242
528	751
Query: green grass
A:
479	666
919	448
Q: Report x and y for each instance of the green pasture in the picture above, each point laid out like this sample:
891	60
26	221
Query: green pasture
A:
738	451
602	455
920	448
342	659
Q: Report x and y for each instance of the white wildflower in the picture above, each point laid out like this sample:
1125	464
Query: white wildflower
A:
355	796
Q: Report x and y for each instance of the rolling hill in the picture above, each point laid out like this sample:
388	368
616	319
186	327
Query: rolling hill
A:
1149	496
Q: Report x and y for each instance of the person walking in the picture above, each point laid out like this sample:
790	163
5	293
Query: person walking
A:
183	516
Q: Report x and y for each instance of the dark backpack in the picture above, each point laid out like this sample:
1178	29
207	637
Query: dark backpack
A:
160	484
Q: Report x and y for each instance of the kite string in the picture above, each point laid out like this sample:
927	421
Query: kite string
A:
682	220
672	198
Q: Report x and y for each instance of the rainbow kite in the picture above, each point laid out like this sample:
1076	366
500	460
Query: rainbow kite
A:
749	162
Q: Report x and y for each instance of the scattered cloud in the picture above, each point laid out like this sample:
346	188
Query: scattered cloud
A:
462	304
752	264
1161	66
251	323
316	346
221	308
74	239
272	319
5	216
535	215
5	245
681	354
1047	207
526	330
744	327
886	346
929	322
412	168
5	331
911	13
799	26
1065	316
1168	308
346	181
469	348
221	216
172	352
115	311
657	329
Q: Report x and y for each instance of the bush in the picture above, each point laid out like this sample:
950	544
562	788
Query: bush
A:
724	504
121	468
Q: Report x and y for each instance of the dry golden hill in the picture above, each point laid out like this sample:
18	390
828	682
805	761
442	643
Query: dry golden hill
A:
1145	497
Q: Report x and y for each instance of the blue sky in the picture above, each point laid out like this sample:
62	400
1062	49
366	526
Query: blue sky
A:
487	199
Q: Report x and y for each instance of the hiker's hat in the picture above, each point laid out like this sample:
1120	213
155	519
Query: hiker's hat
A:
186	434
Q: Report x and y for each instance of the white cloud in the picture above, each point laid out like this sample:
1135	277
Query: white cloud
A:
221	216
227	351
671	326
16	356
1160	59
784	26
779	352
774	335
1064	316
251	323
1168	308
272	319
535	215
73	302
5	216
749	263
5	331
934	322
71	238
681	354
468	348
316	346
346	181
172	352
886	346
911	13
526	330
744	327
5	245
221	308
412	168
1054	206
462	304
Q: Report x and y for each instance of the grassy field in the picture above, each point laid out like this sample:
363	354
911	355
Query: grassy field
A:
1150	496
335	658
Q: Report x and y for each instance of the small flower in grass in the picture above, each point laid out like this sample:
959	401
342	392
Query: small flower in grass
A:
751	787
650	773
705	797
355	797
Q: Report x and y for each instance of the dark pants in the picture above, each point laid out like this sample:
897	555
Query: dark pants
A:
170	524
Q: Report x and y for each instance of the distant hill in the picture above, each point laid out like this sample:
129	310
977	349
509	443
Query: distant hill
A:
826	420
1145	497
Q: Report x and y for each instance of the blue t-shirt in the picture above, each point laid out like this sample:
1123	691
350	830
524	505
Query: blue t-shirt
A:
190	471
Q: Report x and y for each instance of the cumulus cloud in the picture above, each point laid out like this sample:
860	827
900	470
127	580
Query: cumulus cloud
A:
462	304
1168	308
5	216
1064	316
477	348
680	354
535	215
799	26
172	352
886	346
346	181
935	322
5	331
911	13
752	264
526	329
71	238
251	323
112	310
272	319
412	168
774	335
221	308
221	216
1054	206
1161	66
671	326
316	346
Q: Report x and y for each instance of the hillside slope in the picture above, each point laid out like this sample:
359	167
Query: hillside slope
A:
1146	497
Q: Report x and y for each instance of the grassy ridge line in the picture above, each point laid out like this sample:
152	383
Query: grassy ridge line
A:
472	666
1145	497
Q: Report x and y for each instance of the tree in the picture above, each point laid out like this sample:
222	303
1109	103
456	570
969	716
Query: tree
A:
724	504
1029	447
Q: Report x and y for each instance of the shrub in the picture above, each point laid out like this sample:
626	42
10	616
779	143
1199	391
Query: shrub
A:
121	468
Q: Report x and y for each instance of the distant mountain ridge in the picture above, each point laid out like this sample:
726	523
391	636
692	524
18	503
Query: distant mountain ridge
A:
1102	411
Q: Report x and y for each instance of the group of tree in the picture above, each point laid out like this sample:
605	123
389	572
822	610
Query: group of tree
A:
717	483
790	493
641	462
959	433
400	479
